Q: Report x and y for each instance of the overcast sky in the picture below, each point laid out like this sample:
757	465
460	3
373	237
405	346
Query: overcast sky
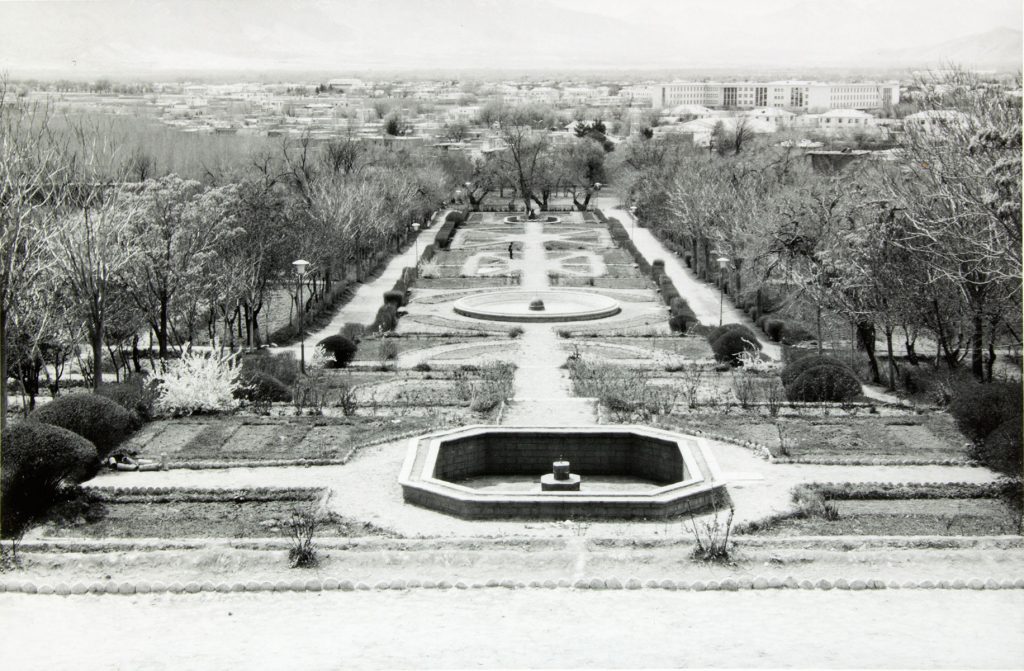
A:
352	35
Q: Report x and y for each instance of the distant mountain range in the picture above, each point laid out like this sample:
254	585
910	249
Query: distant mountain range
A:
999	48
63	38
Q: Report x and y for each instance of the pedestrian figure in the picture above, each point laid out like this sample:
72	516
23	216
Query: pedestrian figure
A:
510	251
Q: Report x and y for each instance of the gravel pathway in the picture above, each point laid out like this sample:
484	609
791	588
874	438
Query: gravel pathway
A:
499	628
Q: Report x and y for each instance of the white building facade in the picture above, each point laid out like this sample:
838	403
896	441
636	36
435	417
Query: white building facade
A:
782	94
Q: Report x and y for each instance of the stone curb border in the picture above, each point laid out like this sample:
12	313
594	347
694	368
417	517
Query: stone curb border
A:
759	449
758	583
277	463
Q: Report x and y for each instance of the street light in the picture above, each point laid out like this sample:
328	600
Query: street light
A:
723	261
597	194
416	241
300	270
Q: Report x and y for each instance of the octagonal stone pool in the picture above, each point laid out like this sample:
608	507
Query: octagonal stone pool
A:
627	472
518	306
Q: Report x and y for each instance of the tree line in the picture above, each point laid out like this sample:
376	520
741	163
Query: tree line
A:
923	239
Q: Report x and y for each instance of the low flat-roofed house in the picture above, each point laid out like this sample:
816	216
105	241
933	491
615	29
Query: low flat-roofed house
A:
935	120
771	117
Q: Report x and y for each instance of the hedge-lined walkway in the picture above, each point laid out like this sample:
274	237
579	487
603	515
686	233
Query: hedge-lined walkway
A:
702	298
362	308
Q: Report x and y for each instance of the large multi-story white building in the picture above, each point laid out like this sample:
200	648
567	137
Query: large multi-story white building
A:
783	94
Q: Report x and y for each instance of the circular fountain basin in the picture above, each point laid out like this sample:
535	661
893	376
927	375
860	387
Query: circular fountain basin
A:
520	219
559	306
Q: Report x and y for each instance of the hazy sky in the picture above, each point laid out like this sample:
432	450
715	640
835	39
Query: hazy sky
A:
349	35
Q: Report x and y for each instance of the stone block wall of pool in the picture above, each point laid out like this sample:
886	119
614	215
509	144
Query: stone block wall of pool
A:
658	473
559	305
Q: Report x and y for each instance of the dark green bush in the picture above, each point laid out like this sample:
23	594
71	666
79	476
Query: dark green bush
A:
341	348
824	383
282	366
386	319
728	346
794	334
98	419
1001	450
679	323
394	297
37	460
773	329
760	321
980	408
261	386
719	331
795	368
135	394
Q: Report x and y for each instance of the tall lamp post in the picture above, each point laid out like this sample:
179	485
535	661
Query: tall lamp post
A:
597	194
723	262
300	270
416	241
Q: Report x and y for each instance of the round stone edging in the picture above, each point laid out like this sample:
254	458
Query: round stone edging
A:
758	583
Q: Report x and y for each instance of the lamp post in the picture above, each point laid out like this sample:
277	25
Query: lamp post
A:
416	241
469	192
300	270
597	194
723	261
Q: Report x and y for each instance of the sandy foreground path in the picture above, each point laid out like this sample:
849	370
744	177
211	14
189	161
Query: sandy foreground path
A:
497	628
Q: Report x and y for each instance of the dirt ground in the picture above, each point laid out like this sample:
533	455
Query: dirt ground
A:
498	628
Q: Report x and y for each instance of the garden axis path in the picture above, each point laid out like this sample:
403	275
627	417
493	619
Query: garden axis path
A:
543	395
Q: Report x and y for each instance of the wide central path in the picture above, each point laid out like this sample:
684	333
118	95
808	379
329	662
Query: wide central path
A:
543	393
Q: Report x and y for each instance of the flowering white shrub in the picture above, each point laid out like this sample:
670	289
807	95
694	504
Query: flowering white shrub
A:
200	382
319	358
430	269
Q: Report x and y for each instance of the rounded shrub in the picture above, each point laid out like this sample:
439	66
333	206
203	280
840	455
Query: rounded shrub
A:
773	329
728	346
794	334
394	297
980	408
262	386
386	319
824	384
341	348
134	395
37	460
719	331
794	369
98	419
1001	450
679	323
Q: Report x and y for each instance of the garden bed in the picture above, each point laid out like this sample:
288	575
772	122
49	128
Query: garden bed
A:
199	514
265	439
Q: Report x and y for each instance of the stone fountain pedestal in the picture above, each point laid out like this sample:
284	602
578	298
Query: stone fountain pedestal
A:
560	479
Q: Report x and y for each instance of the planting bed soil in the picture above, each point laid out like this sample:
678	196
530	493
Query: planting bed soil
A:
908	517
203	519
256	439
689	348
466	282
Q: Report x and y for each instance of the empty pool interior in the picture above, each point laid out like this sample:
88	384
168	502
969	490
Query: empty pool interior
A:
515	461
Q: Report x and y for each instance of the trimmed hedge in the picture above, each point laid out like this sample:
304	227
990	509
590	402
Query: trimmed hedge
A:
341	348
792	371
386	319
37	460
720	331
98	419
394	297
1001	450
134	395
979	409
823	384
729	345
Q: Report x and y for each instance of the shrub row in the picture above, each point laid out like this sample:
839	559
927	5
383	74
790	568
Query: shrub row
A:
201	495
851	491
446	232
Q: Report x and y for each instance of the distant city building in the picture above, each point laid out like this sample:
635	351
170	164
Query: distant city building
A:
783	94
